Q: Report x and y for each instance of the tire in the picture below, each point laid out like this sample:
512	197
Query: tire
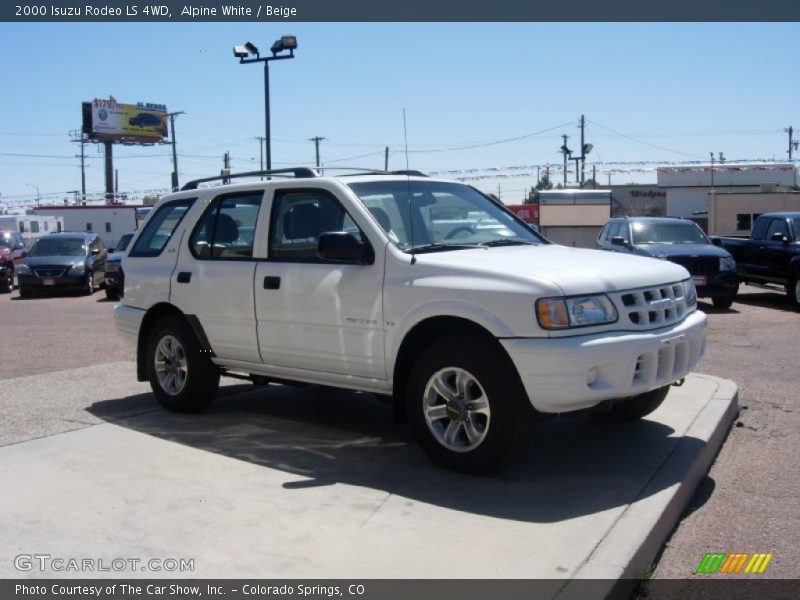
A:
465	436
633	408
24	292
7	285
722	302
181	375
88	286
112	293
793	288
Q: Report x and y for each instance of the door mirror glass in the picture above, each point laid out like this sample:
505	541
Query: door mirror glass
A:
618	241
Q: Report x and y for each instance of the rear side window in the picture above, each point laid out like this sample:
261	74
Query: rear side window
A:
760	230
159	229
227	229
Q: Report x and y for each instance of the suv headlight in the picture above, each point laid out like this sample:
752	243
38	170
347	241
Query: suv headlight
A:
726	263
579	311
689	292
23	269
77	269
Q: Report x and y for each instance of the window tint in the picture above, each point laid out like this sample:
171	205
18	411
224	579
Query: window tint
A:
298	219
613	230
160	227
228	227
45	225
21	227
34	226
777	226
760	230
108	227
88	227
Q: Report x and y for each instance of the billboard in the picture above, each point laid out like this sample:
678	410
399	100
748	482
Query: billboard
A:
109	120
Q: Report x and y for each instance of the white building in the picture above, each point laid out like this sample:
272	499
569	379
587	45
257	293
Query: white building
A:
109	222
688	186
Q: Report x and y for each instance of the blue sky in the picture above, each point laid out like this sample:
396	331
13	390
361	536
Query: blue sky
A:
650	92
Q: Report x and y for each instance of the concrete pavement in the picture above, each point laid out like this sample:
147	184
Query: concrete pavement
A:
278	482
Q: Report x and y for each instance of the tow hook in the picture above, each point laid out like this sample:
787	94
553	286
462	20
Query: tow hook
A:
679	383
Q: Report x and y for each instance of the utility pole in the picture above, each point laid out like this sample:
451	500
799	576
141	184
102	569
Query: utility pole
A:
109	160
583	151
78	136
792	142
175	184
386	159
565	151
594	177
712	170
226	167
316	141
261	140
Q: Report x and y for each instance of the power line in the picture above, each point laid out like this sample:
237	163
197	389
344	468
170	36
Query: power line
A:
643	142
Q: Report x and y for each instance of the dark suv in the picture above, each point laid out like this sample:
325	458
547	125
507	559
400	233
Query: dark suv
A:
12	252
680	241
63	261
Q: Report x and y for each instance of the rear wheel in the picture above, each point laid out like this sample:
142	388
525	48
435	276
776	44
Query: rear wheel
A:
112	293
24	292
633	408
467	406
181	374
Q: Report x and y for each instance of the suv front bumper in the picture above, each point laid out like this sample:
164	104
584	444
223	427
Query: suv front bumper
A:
566	374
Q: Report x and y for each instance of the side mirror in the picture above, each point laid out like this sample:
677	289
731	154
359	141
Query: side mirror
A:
779	237
716	241
341	246
618	241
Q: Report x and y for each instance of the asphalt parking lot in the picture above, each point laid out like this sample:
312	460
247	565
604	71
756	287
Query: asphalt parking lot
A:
747	502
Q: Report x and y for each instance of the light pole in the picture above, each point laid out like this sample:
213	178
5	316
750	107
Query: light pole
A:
38	197
285	43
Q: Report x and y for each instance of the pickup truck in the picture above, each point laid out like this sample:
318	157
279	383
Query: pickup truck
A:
351	282
770	257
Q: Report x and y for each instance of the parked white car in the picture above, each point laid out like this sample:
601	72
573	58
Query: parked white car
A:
344	281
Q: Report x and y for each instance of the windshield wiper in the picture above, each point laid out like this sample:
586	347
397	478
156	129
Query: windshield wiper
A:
439	247
507	242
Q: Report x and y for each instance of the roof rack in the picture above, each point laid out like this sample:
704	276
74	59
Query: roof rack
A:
298	172
301	173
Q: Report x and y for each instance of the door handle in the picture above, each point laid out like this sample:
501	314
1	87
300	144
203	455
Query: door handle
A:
272	283
184	277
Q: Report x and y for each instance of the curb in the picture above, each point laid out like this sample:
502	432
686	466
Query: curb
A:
629	548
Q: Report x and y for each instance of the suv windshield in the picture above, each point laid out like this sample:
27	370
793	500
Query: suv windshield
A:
440	215
59	247
667	233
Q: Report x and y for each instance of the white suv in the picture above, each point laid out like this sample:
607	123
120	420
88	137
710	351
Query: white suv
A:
393	283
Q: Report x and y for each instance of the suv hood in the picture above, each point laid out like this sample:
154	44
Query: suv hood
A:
574	270
65	261
669	250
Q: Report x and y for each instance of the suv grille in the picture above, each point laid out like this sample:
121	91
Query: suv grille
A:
651	307
697	265
49	271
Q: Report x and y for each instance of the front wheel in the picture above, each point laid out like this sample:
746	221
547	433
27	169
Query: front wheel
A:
722	302
467	405
8	281
88	286
633	408
793	289
181	374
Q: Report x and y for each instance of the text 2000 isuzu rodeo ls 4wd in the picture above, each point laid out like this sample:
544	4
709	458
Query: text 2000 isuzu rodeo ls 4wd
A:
401	285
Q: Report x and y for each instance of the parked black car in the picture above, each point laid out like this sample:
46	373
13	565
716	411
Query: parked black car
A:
114	281
771	256
63	261
681	241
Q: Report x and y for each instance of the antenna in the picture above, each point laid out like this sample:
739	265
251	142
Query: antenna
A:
408	180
